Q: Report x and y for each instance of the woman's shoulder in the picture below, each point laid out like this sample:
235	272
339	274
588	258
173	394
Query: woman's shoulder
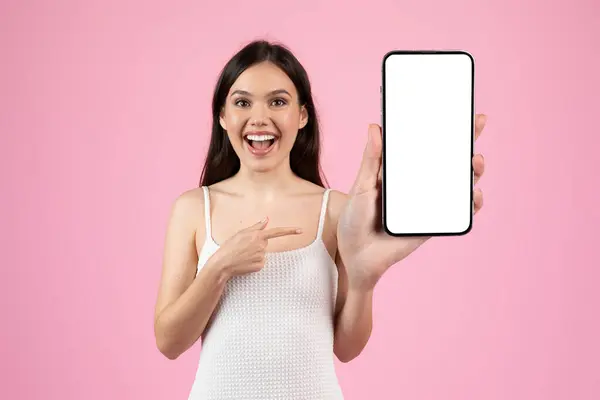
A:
190	199
338	198
337	201
188	207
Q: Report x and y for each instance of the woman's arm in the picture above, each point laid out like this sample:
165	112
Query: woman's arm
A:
354	320
185	301
354	306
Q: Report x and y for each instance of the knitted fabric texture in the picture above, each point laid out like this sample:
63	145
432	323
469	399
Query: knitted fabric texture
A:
271	334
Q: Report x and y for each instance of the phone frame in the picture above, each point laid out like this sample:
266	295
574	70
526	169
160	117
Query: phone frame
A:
383	128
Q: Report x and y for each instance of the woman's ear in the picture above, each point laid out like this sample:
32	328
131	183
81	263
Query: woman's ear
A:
222	120
303	117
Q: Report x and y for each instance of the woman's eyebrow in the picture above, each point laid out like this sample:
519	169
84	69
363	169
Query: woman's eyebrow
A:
271	93
280	91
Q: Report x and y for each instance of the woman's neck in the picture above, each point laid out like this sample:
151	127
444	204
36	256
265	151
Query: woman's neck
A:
267	183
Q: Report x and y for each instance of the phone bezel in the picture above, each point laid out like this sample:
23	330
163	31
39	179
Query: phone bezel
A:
383	128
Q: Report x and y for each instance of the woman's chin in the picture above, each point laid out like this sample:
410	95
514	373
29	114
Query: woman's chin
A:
261	165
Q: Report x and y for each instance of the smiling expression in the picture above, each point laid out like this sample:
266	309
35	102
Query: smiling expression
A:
262	116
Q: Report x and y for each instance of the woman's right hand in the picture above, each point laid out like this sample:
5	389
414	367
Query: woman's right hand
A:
244	252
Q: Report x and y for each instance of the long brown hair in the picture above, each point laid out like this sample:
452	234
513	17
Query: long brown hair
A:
221	160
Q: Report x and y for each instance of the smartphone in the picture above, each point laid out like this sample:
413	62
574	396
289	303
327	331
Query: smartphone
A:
427	123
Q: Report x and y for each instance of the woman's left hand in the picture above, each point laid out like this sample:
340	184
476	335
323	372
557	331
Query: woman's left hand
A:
364	247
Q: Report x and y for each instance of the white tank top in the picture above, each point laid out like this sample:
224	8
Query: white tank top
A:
271	335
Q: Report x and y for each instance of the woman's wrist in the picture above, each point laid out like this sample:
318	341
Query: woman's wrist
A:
219	269
361	287
360	279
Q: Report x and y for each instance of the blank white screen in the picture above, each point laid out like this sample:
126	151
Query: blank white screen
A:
428	119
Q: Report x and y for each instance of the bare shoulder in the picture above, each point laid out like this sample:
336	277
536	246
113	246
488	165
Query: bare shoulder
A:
337	202
187	210
189	203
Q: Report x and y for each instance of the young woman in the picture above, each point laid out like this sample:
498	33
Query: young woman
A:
272	270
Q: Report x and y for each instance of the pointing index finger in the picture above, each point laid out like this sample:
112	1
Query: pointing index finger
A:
277	232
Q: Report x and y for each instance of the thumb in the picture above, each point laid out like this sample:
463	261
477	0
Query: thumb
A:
371	162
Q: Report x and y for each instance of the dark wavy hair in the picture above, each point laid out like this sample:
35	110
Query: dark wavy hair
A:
221	160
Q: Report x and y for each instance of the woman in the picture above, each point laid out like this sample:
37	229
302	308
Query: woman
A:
272	270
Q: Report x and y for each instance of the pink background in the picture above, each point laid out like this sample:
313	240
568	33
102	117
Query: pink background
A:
105	119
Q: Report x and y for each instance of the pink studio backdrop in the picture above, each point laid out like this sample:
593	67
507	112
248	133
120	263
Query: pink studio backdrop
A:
105	119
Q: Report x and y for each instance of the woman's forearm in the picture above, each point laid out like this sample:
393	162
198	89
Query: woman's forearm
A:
354	324
180	324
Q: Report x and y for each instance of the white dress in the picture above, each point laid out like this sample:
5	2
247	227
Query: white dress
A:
271	336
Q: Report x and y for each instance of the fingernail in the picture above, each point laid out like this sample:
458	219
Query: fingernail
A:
298	230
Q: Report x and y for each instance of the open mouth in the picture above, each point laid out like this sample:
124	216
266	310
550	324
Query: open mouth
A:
260	143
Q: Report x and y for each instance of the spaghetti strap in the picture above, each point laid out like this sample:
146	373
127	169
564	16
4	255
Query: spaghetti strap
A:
323	213
207	212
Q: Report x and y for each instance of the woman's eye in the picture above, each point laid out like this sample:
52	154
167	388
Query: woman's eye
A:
279	102
241	103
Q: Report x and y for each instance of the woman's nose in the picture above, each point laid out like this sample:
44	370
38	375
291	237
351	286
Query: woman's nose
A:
260	116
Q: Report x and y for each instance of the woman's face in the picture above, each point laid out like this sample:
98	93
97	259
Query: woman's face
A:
262	117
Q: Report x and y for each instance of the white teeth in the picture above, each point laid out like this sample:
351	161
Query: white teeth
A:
260	138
